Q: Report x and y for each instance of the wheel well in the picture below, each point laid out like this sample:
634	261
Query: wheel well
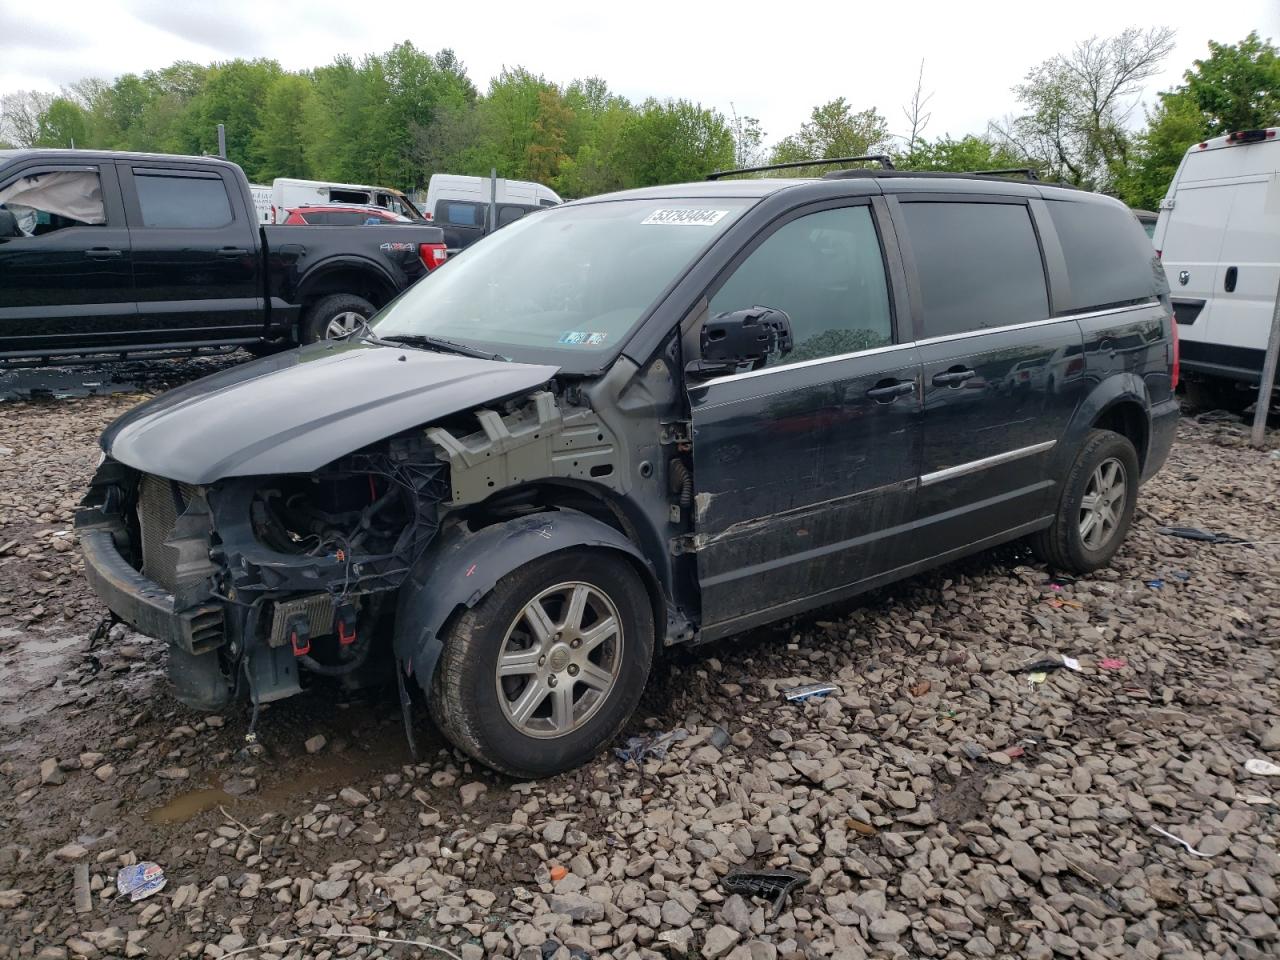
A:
594	503
1128	419
361	283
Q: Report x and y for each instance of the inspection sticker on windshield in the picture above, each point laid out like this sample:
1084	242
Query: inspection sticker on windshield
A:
685	217
588	337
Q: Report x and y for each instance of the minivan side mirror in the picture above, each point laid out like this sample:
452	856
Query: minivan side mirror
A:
740	341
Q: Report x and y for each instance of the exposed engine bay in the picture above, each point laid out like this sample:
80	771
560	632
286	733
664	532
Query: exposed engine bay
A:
273	577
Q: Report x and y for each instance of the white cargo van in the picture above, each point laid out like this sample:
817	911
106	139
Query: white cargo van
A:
288	194
1219	239
461	204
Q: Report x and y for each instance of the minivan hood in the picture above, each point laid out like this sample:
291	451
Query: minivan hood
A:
296	411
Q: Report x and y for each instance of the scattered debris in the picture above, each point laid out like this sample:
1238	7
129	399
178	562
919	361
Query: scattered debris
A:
558	872
719	738
921	688
1194	533
810	690
1156	584
1113	663
1262	768
1038	677
973	751
858	826
140	880
1190	849
772	885
638	749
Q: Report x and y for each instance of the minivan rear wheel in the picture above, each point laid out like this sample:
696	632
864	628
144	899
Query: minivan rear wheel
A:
544	671
1096	507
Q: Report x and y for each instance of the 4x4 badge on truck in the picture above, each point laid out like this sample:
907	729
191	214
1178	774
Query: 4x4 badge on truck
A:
1184	276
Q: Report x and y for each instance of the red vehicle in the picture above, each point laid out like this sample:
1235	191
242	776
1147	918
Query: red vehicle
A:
342	215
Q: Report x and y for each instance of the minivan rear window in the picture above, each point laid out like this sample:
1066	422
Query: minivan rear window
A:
1110	261
978	263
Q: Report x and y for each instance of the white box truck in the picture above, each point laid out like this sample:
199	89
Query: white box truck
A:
1219	239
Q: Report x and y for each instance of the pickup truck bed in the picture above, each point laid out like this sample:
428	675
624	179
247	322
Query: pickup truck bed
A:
111	253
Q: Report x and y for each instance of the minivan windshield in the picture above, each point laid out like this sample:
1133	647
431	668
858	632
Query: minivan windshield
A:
562	282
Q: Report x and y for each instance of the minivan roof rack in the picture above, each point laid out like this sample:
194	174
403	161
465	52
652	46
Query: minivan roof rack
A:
1031	173
885	161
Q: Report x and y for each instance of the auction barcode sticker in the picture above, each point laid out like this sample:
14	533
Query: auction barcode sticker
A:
686	217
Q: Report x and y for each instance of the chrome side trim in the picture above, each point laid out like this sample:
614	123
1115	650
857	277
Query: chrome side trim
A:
973	466
983	331
1084	315
801	364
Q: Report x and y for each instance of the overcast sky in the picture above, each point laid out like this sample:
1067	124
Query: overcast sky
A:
773	61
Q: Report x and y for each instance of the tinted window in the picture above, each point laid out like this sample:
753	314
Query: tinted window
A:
348	196
826	272
1109	258
182	201
978	264
460	214
509	215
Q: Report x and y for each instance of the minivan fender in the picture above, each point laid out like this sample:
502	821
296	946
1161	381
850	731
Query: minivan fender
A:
1116	389
462	567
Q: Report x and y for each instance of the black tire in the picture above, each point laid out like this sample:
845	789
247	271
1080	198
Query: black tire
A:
465	701
325	311
1062	545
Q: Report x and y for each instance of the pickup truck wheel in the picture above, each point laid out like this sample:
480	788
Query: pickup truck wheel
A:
543	672
1096	506
335	316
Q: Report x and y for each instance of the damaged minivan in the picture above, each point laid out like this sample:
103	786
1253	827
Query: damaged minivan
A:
654	417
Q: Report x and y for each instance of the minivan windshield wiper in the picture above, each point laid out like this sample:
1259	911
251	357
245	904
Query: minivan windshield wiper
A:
438	343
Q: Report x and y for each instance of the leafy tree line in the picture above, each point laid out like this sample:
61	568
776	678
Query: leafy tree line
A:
397	117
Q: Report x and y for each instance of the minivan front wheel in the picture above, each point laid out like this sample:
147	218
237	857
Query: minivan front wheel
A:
543	672
1096	506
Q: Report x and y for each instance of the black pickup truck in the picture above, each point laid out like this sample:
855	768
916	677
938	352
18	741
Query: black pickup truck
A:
116	253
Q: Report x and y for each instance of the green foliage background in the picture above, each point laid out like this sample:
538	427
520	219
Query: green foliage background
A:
397	117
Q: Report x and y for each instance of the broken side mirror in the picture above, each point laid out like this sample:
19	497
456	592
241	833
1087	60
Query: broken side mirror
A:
740	341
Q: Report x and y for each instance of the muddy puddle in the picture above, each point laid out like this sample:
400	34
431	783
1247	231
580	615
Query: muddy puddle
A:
365	742
34	664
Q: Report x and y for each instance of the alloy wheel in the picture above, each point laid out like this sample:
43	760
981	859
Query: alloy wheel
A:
559	660
343	324
1103	504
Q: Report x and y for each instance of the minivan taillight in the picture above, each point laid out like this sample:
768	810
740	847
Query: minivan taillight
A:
433	254
1177	353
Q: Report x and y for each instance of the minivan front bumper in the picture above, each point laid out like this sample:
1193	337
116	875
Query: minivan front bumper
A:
143	604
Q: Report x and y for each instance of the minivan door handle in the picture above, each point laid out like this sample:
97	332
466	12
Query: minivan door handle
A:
953	378
886	391
232	252
103	253
1229	281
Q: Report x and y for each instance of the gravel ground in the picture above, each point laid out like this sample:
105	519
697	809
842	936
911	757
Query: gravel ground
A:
943	801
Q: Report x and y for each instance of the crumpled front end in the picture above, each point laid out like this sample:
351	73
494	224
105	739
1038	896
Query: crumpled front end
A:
249	578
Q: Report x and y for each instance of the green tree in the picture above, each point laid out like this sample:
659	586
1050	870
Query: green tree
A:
834	130
968	153
279	143
1079	104
1237	87
672	141
63	124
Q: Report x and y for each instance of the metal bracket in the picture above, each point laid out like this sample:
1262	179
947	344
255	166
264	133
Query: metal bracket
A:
676	431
